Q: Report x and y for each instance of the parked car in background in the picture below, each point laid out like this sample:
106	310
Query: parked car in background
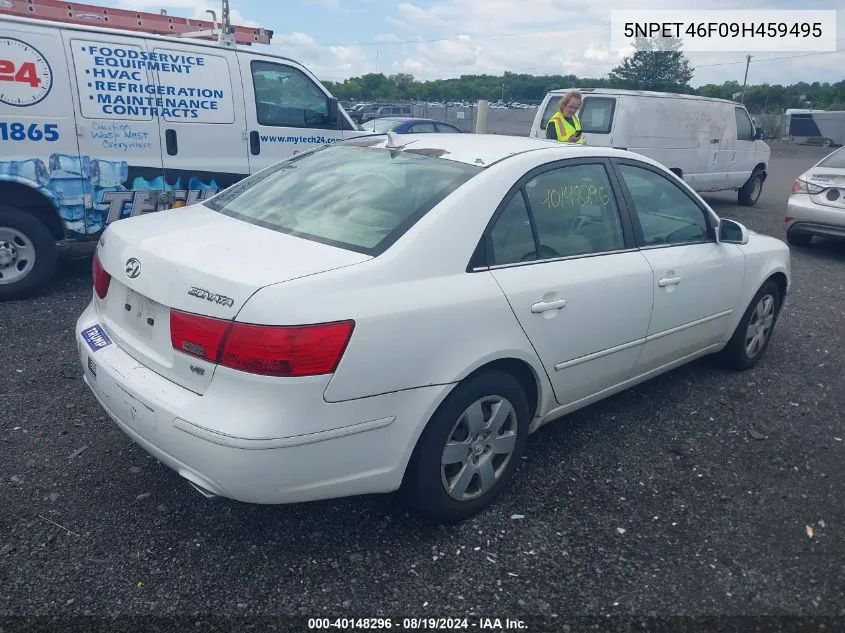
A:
386	110
409	125
403	315
360	110
816	205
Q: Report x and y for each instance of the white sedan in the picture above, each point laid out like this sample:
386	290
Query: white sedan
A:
400	312
816	205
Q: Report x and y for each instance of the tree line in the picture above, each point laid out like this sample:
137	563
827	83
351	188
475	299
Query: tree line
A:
522	88
662	67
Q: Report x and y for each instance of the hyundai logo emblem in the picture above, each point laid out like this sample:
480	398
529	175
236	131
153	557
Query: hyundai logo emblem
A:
133	268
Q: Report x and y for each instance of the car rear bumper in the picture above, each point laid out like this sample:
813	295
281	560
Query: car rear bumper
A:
811	218
363	449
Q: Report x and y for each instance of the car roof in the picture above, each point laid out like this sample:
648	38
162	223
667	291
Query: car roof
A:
610	92
415	119
481	149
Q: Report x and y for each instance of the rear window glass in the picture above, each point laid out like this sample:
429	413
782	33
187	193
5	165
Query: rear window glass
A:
836	160
359	198
596	113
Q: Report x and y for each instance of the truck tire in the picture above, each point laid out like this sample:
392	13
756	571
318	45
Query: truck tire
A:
750	192
28	253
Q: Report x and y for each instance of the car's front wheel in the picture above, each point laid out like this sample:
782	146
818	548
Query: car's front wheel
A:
470	448
755	329
749	193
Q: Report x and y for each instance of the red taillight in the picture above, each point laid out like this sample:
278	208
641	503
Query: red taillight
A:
788	219
101	278
197	335
299	350
286	351
796	186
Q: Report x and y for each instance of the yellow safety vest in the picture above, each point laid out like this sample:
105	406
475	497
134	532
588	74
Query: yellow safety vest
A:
563	129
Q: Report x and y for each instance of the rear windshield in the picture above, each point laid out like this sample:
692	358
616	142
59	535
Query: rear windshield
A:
358	198
596	113
836	160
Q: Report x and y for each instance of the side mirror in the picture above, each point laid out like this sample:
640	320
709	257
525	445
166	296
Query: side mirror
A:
334	111
758	134
731	232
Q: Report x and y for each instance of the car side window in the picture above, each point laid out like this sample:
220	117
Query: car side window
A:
449	129
286	97
511	236
666	214
744	127
575	211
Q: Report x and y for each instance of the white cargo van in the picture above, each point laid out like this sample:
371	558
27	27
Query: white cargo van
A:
101	124
711	143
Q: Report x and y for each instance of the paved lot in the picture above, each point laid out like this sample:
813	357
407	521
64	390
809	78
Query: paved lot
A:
691	494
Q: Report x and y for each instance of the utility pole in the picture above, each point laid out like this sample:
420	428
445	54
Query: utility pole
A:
747	63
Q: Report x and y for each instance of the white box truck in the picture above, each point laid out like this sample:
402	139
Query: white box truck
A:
711	143
99	124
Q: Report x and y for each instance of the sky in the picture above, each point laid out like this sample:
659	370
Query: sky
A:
433	39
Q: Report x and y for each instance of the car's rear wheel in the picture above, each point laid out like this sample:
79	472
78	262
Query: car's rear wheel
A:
755	329
470	448
798	239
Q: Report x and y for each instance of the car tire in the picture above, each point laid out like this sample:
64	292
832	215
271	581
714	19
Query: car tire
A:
750	192
798	239
739	354
28	253
488	394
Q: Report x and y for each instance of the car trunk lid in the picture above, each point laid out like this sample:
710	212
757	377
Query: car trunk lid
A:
197	261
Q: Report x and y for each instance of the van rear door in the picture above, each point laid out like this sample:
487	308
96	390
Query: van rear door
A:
202	120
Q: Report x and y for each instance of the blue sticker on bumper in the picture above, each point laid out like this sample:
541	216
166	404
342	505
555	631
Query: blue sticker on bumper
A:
96	338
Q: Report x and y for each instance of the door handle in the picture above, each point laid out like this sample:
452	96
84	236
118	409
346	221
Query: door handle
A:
171	142
715	140
254	143
545	306
669	281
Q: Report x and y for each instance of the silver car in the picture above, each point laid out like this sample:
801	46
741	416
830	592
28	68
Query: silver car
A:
817	203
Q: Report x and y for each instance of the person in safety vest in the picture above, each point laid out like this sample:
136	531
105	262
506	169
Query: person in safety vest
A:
565	125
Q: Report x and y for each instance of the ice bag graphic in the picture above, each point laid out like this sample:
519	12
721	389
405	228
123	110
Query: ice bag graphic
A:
109	173
196	183
33	170
73	193
72	163
95	219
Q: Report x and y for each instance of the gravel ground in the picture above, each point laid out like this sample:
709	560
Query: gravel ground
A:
702	492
